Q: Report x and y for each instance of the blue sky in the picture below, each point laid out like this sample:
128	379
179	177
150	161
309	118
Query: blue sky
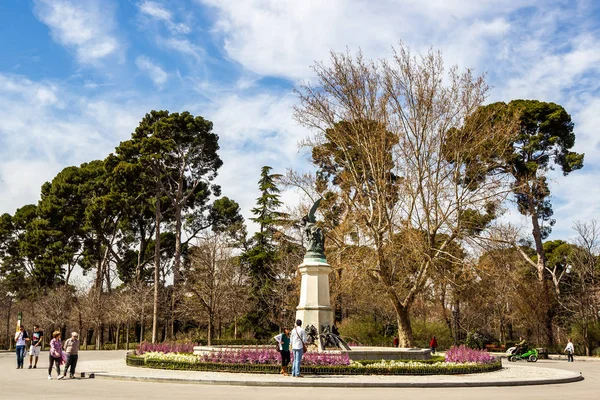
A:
77	76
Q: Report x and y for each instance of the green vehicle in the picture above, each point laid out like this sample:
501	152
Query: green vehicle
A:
530	355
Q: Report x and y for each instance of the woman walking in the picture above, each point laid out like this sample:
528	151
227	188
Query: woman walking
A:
283	340
21	339
72	351
55	354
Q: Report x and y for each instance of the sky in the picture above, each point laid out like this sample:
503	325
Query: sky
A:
77	76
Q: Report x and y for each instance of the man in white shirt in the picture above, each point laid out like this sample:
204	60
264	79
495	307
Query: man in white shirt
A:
570	349
298	340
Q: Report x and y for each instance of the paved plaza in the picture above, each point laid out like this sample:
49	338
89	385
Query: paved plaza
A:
33	384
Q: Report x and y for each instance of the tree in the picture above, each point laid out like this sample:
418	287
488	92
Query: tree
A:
207	279
180	151
261	255
542	139
581	297
386	143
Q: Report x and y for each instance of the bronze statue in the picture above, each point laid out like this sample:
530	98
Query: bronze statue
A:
314	235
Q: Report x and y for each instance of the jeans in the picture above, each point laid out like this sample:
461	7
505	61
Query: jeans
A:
51	361
20	355
297	361
71	362
432	350
569	356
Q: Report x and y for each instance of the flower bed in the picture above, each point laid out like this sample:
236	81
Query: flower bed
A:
146	347
267	361
464	354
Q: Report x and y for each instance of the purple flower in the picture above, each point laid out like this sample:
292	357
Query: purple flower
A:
463	354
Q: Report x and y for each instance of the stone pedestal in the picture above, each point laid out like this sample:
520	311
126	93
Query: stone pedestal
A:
315	306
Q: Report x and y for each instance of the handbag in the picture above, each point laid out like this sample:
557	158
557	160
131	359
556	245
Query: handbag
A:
304	348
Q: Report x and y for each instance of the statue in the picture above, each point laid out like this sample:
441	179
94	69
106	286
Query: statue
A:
314	235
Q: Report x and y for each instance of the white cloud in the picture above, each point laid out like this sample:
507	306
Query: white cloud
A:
46	127
156	73
159	12
253	131
283	38
85	26
184	46
546	51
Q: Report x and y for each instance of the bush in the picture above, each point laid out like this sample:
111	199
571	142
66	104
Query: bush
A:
365	331
432	360
381	368
464	354
250	356
236	342
423	332
165	348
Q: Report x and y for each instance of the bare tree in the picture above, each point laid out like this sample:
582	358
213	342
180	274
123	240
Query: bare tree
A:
391	141
209	277
582	295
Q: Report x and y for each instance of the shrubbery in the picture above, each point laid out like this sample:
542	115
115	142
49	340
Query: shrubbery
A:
464	354
249	356
166	347
409	367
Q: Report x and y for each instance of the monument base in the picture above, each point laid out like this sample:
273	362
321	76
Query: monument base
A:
314	308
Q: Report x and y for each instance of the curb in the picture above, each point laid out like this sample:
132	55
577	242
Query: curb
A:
300	383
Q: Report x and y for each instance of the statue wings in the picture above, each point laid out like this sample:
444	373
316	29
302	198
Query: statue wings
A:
313	209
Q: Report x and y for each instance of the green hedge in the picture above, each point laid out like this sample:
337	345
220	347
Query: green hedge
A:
138	361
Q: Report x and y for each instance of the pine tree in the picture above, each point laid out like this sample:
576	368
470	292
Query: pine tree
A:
261	256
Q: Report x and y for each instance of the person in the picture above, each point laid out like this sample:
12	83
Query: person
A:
55	354
396	342
433	345
21	339
298	340
521	346
570	349
72	351
36	345
283	340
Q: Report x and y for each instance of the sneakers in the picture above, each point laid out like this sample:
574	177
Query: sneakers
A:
30	367
60	377
35	366
49	377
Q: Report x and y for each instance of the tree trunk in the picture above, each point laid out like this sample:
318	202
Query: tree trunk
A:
541	266
127	336
142	330
405	335
456	322
117	336
176	268
156	271
210	327
141	254
447	320
8	334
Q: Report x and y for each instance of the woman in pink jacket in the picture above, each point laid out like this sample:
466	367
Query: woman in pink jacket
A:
55	355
